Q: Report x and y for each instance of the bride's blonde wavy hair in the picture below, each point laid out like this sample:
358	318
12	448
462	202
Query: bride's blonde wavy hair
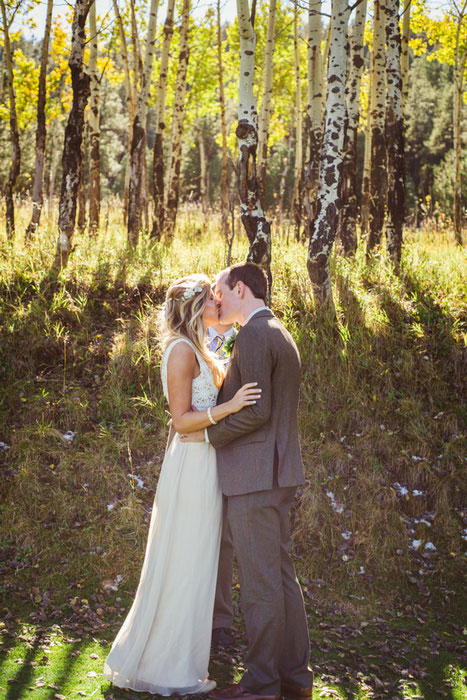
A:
182	317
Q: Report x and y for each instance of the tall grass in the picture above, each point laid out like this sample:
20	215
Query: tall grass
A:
382	411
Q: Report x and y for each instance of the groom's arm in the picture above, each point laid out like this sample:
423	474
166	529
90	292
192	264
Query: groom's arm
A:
253	355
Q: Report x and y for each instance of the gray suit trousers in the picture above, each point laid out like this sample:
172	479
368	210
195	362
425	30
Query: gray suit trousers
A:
271	596
223	604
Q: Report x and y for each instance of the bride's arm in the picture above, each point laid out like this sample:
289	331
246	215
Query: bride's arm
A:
182	367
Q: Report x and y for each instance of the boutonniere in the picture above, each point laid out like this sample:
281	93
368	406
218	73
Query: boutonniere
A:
229	343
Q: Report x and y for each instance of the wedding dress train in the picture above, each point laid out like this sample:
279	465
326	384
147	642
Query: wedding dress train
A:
163	646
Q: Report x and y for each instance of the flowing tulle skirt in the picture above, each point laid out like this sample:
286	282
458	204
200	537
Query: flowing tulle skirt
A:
163	646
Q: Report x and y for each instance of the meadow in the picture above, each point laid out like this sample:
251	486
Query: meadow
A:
379	527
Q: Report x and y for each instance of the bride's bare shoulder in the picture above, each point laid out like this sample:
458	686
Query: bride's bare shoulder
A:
182	355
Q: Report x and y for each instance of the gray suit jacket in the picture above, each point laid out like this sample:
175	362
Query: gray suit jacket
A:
262	438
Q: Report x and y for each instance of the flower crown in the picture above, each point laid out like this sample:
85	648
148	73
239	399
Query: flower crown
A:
191	291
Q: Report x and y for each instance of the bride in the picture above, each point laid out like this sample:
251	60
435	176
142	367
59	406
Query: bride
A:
163	645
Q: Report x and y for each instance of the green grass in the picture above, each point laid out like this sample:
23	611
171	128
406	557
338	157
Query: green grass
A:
395	656
382	403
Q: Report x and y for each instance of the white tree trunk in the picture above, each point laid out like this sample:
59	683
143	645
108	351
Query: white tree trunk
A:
178	116
94	126
158	160
298	165
348	213
38	186
405	51
377	189
394	134
460	57
257	228
137	189
266	105
130	92
323	227
225	166
314	108
367	160
13	174
72	158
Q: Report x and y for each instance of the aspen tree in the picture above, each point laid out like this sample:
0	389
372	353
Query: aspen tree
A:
266	104
405	51
130	92
459	14
38	185
14	132
72	157
367	160
377	185
285	169
225	165
158	159
257	228
323	227
94	126
394	134
348	212
178	115
314	108
298	165
137	190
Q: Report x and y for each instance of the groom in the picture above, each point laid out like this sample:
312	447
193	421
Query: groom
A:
260	466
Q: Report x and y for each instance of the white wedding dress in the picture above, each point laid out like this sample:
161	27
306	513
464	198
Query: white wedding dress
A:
163	646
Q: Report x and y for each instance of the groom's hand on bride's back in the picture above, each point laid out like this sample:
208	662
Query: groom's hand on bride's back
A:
197	436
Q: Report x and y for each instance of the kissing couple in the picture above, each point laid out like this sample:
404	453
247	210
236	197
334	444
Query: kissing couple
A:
237	436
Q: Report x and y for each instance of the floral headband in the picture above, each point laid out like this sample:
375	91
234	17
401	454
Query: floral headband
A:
187	294
190	291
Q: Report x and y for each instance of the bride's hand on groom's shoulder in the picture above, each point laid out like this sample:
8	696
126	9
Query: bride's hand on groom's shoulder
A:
197	436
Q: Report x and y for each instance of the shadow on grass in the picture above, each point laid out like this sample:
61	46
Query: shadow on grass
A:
21	680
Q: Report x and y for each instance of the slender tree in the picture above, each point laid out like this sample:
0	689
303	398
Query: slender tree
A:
94	126
298	166
323	227
405	51
364	207
394	134
38	184
14	132
130	91
257	228
348	212
71	159
137	200
158	169
225	199
314	108
377	185
266	104
459	14
178	116
285	169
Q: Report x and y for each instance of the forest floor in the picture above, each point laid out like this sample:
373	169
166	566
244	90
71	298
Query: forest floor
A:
405	653
379	528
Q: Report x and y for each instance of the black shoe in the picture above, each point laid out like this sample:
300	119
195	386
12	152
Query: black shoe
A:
222	637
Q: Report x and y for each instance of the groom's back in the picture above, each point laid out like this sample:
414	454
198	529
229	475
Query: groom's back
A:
264	352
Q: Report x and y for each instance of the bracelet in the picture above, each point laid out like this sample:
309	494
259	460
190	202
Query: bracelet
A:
214	422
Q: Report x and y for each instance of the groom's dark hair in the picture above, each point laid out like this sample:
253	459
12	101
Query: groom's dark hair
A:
252	275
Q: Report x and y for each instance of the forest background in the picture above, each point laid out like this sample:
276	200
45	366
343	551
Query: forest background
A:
330	150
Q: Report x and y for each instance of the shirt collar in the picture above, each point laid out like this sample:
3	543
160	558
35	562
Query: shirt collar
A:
217	334
261	308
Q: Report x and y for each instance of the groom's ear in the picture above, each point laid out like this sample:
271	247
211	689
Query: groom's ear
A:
241	289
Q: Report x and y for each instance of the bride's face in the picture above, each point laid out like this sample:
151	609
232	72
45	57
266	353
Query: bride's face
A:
211	311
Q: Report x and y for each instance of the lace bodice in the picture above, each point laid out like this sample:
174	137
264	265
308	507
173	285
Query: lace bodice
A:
203	389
